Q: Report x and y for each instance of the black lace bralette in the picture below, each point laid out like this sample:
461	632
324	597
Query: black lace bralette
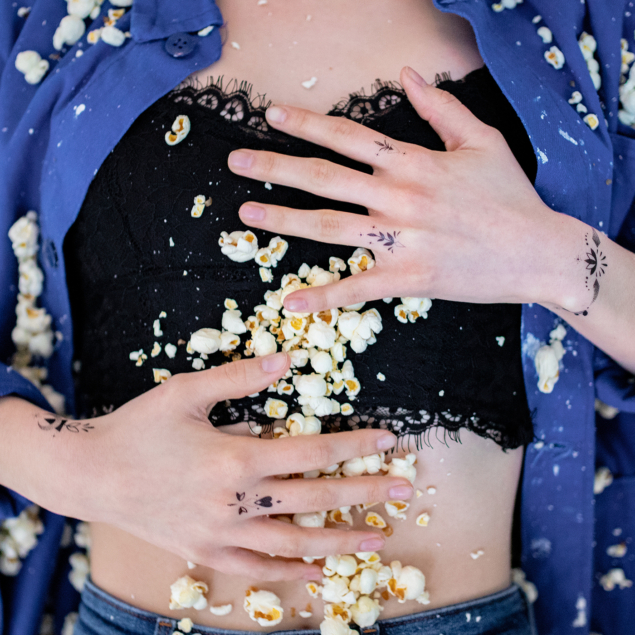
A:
135	251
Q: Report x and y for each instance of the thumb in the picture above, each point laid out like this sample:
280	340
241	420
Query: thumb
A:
450	119
235	379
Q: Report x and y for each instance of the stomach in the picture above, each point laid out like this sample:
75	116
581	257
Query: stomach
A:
464	551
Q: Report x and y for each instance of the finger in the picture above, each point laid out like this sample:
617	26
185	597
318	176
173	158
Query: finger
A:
362	287
451	120
323	225
233	380
337	133
237	561
291	455
291	541
306	495
317	176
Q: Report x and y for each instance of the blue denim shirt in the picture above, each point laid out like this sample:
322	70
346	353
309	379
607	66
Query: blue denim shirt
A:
49	154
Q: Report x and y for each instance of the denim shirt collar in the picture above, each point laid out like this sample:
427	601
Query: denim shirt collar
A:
158	19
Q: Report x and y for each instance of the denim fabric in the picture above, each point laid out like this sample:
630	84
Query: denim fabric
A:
504	613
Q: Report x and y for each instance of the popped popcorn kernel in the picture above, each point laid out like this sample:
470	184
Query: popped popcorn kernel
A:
361	260
276	409
603	478
313	589
431	490
613	578
223	609
591	120
396	509
555	57
263	607
423	519
375	520
161	375
156	350
239	246
475	555
180	129
265	274
32	66
347	409
188	593
617	551
206	341
185	625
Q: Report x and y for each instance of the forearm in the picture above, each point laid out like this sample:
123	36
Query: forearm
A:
41	459
591	266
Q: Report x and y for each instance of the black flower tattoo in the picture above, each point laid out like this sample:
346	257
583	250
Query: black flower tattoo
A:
388	240
387	148
252	503
57	424
596	266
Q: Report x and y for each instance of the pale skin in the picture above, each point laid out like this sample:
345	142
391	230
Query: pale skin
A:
522	252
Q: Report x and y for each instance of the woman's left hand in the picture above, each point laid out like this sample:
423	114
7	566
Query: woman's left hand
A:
464	225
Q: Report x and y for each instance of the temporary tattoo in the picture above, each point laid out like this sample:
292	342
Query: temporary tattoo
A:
596	266
57	424
386	147
388	240
255	502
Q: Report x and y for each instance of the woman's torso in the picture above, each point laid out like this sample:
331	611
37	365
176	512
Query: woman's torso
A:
346	46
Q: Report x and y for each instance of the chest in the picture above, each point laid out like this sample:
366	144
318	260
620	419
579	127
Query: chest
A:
345	45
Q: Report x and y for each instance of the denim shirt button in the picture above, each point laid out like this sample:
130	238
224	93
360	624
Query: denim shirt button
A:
180	44
49	254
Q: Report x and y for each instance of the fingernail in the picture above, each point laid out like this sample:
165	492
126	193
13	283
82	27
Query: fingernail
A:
241	159
252	212
274	363
415	77
296	306
400	491
386	441
276	114
371	545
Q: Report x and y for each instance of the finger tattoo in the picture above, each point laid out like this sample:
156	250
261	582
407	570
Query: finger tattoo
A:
254	502
387	148
388	240
58	424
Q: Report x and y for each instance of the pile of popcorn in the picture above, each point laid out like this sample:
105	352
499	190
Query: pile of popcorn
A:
18	536
588	46
316	342
352	585
32	334
626	113
547	360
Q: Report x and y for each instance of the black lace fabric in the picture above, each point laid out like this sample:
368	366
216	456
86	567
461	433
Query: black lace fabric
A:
135	251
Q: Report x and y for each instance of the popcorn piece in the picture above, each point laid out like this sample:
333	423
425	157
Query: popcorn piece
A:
264	343
336	264
576	97
198	364
191	565
336	591
404	467
32	66
417	307
205	32
185	625
263	257
223	609
546	34
361	260
265	274
263	607
110	34
239	246
94	36
431	490
322	362
206	341
423	519
547	367
475	555
236	46
407	583
188	593
396	509
278	248
332	626
298	424
276	409
156	350
339	516
311	385
603	478
156	327
375	520
519	578
69	31
555	57
233	322
228	341
615	577
313	589
347	409
617	551
338	611
180	129
161	375
305	614
24	233
381	376
365	611
321	336
80	568
309	519
309	83
592	121
368	580
170	350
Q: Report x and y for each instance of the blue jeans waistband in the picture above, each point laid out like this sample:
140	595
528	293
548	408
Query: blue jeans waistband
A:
504	613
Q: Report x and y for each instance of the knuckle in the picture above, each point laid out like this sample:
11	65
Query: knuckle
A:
329	225
342	128
319	455
323	498
289	548
320	172
239	464
446	99
267	163
235	374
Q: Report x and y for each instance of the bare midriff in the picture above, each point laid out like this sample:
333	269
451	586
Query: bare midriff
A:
465	551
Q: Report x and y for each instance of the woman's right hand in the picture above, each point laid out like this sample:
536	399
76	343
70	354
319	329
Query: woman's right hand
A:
159	470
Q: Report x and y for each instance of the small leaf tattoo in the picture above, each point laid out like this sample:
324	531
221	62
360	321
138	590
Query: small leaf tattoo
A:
58	424
388	240
387	148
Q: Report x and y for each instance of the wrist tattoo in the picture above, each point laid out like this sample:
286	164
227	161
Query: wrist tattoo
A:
58	424
387	148
252	503
596	266
388	240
